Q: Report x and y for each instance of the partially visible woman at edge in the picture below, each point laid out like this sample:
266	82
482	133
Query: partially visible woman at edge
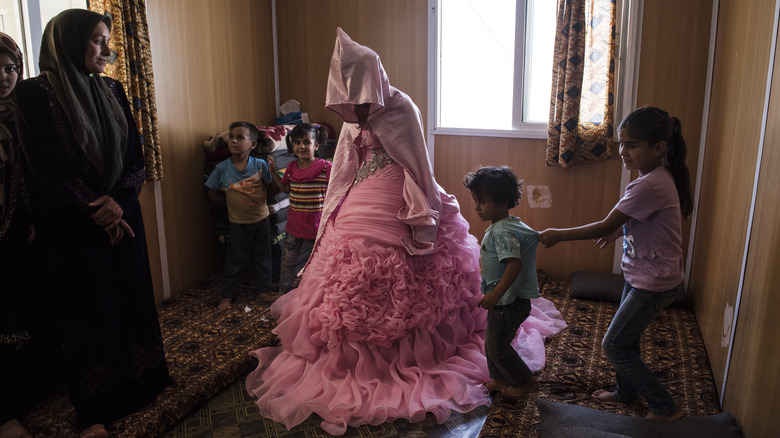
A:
84	154
24	373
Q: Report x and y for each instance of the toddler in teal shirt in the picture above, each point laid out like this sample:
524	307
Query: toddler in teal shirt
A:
508	268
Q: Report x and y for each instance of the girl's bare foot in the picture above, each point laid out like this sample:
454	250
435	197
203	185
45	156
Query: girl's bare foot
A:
520	391
495	386
676	415
606	396
13	429
94	431
225	304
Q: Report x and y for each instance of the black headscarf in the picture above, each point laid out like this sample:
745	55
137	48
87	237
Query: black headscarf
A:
95	116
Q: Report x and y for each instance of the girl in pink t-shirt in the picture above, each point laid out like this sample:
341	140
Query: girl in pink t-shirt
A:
306	180
650	218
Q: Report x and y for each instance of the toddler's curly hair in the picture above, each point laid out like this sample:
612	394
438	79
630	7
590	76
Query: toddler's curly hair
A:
498	183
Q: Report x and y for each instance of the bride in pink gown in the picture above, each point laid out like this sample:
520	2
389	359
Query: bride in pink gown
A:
385	323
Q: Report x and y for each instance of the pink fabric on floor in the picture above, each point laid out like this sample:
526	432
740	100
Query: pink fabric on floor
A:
544	321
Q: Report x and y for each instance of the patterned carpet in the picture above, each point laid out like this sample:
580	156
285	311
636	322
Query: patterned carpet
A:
207	352
233	413
206	349
672	348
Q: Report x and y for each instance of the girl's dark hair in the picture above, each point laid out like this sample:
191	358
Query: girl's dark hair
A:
318	132
498	183
652	124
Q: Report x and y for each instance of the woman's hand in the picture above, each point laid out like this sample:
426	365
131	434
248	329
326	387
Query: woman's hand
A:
109	216
109	212
115	234
549	237
31	235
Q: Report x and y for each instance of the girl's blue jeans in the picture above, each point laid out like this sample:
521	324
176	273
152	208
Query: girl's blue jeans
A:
621	345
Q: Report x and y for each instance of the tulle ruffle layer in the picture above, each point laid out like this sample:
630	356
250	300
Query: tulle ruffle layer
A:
377	295
384	335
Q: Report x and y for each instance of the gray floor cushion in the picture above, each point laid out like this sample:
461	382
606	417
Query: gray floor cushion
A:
604	286
561	420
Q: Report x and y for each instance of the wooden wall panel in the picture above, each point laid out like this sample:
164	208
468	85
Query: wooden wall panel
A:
579	195
739	84
213	64
671	75
396	30
756	356
673	71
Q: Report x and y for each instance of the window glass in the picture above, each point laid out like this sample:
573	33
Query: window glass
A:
540	37
50	8
493	73
24	21
10	21
477	56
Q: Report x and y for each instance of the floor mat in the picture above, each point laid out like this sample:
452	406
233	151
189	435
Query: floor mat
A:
672	347
206	349
233	413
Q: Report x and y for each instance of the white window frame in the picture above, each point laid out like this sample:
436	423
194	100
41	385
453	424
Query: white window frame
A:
628	17
32	32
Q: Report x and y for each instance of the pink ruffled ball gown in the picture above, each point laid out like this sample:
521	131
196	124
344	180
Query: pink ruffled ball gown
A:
373	333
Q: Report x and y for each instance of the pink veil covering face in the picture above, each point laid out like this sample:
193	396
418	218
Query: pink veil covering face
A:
357	77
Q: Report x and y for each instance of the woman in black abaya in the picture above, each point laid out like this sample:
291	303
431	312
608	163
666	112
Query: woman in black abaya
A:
84	154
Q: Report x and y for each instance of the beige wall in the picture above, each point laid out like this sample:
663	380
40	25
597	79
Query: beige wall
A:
753	380
743	54
148	210
580	195
396	30
212	66
201	100
672	75
739	83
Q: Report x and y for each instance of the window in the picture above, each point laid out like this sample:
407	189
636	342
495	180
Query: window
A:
24	21
491	66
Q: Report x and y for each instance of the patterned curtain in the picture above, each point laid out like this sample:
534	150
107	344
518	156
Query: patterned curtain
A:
131	64
582	98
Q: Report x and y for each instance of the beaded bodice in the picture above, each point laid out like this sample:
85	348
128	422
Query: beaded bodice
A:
379	158
373	155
